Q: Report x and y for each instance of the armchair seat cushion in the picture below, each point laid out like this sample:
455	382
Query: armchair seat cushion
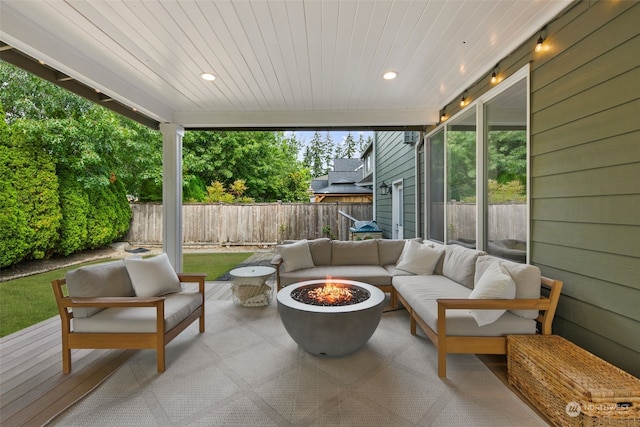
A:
177	307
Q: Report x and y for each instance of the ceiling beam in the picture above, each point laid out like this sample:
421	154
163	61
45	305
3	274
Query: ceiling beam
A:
31	65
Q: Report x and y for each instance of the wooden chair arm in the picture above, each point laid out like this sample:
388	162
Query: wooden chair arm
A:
106	302
191	277
194	278
542	303
277	261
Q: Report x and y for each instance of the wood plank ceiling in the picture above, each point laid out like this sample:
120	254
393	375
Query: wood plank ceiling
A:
280	63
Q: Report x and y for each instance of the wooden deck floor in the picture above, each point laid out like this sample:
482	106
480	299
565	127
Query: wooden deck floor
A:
33	388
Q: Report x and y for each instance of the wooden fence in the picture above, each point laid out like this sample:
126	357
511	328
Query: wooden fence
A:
504	221
271	223
250	224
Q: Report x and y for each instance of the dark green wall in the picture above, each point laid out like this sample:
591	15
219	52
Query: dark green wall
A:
394	161
585	171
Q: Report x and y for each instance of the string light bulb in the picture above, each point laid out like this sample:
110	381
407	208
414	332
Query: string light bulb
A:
443	115
494	75
539	44
463	101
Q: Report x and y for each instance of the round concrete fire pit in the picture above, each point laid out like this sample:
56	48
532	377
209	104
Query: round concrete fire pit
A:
336	330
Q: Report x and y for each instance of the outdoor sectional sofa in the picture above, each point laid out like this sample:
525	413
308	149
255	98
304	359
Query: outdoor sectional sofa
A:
464	300
133	303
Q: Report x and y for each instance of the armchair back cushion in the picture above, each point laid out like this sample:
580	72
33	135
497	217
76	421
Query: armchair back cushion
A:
89	282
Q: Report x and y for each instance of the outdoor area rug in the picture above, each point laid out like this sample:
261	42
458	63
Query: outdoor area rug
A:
245	370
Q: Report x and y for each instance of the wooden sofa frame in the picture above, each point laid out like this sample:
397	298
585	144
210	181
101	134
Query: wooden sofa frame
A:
482	345
153	340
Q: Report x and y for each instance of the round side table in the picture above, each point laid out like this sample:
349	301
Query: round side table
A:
249	287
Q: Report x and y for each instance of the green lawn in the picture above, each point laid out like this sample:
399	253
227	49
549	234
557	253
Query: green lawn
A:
29	300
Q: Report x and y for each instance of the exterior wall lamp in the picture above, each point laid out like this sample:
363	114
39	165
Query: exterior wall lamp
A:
384	189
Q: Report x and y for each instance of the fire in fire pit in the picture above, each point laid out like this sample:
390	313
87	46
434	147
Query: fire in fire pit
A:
330	294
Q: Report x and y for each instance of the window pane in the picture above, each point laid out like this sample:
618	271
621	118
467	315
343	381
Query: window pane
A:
421	195
461	180
507	174
436	187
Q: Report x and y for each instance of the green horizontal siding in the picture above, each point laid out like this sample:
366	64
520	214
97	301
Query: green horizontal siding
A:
585	175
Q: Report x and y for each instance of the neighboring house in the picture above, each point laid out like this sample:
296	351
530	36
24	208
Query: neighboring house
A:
578	106
340	184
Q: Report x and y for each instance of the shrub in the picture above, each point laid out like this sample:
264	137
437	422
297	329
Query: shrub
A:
36	185
13	223
75	207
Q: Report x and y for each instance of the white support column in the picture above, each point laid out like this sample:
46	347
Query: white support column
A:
172	192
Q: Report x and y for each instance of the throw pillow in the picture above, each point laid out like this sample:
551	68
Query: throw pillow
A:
152	277
417	258
296	256
495	283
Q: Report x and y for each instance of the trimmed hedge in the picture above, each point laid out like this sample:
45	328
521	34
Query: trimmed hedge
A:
57	194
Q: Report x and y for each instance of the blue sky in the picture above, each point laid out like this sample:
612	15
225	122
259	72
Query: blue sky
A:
336	136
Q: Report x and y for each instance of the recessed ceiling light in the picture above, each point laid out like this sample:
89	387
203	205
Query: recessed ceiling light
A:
390	75
208	76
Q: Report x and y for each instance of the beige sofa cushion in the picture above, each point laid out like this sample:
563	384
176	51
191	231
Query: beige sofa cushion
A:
526	277
462	323
494	283
296	256
437	245
422	293
362	252
372	274
109	279
389	250
460	264
152	277
140	319
416	288
320	251
418	258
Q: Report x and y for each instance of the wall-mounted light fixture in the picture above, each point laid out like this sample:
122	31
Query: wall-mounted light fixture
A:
494	75
539	42
384	189
463	100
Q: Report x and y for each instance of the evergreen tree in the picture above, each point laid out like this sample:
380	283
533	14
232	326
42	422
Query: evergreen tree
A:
314	156
349	144
327	154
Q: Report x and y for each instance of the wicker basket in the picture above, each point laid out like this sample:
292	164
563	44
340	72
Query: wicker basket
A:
571	386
